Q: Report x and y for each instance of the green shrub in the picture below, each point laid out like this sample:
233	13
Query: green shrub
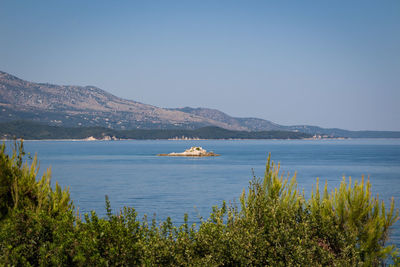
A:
32	213
274	225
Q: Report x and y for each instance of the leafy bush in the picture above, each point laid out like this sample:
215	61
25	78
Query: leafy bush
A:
275	225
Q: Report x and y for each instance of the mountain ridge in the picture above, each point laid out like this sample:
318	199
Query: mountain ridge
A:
88	106
253	124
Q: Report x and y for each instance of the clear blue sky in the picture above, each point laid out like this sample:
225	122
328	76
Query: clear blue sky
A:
326	63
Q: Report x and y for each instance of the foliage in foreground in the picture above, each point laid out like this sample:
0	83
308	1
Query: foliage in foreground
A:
275	226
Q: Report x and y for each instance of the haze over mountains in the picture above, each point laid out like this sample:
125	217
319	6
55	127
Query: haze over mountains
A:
91	106
73	106
86	106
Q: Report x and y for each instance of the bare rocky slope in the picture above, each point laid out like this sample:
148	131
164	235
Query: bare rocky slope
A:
88	106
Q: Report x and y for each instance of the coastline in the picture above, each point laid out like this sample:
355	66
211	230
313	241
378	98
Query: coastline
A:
197	139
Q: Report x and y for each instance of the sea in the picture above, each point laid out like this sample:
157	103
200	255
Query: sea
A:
131	174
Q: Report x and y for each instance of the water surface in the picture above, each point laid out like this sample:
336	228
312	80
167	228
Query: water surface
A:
131	174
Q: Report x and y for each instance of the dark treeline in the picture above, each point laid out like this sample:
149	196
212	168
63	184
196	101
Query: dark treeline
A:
32	130
273	226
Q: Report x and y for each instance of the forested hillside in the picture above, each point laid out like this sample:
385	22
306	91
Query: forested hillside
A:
31	130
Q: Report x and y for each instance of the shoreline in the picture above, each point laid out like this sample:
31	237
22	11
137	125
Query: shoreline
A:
209	139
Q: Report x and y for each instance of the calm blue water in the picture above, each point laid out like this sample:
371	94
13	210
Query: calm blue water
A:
131	174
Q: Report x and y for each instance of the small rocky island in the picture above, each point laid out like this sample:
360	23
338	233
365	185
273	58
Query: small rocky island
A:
194	151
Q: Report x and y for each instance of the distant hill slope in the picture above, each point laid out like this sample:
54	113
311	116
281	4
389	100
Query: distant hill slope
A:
335	132
255	124
87	106
251	124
